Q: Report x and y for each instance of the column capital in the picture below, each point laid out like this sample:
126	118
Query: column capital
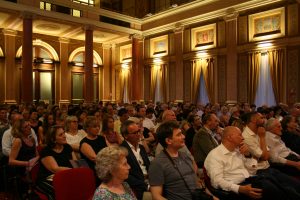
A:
27	15
178	28
106	46
231	14
88	27
136	36
10	32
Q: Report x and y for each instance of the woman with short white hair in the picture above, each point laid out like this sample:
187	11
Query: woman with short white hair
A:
112	168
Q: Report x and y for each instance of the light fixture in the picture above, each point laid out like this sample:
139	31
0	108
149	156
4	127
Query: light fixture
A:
201	54
78	64
48	61
157	61
125	66
264	45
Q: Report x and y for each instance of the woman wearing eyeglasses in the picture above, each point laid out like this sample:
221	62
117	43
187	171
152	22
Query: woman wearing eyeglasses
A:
23	153
74	136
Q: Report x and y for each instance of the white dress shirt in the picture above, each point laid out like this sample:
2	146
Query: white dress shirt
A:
278	150
138	157
252	140
228	169
7	141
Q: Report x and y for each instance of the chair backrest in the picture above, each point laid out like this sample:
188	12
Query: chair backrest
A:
74	184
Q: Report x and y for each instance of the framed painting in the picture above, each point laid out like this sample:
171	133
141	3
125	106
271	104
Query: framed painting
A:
204	37
159	46
267	25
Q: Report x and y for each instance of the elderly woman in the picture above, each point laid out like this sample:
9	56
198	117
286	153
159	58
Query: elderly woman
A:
112	168
55	157
92	143
74	136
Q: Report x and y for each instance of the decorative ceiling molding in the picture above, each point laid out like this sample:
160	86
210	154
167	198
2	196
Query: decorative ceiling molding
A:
68	18
203	17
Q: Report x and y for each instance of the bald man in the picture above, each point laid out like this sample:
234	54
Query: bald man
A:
229	169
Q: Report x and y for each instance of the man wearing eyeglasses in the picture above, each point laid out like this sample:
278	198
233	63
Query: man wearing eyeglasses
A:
137	158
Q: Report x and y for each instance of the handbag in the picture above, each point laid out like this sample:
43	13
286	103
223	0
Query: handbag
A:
197	194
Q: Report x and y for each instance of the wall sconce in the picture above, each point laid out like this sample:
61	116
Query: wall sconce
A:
125	66
157	61
264	45
78	64
201	54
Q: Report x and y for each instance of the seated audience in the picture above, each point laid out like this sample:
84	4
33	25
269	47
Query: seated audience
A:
111	136
164	179
282	158
137	158
195	122
74	136
289	133
48	121
230	170
204	140
23	152
112	168
7	138
55	157
92	143
123	116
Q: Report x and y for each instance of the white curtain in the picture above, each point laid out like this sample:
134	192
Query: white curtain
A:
202	95
158	89
264	94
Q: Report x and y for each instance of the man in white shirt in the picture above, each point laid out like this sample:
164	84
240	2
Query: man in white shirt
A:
230	170
282	158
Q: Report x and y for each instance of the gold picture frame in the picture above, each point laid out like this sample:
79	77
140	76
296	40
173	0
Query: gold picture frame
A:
204	37
159	46
126	53
267	25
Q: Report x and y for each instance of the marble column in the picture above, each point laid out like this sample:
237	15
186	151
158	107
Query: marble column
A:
88	66
106	71
231	61
10	75
137	67
64	73
27	77
178	38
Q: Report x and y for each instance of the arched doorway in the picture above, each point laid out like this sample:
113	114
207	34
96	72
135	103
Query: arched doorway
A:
76	59
43	65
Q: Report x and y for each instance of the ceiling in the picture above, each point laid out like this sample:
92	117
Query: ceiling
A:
61	29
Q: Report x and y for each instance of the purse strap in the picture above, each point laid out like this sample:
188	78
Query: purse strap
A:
176	167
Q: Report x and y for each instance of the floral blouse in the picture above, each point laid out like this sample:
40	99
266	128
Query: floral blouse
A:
105	194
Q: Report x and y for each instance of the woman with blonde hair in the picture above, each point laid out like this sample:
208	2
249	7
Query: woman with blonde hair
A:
23	152
112	168
74	136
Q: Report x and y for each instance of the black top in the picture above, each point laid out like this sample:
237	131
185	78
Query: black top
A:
63	160
96	144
